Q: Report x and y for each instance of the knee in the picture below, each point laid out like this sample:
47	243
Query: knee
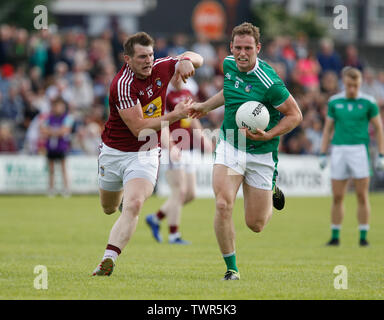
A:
338	198
256	226
189	196
224	207
109	210
362	198
133	206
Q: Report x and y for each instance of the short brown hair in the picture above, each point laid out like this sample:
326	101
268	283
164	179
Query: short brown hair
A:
141	38
350	72
246	28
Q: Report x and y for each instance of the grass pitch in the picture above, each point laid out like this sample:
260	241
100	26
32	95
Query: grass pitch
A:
288	260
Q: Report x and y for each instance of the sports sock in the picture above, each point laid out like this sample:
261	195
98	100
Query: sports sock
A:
335	231
230	261
111	251
363	228
173	228
160	215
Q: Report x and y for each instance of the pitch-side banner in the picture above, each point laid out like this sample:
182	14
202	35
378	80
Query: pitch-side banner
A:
29	174
21	174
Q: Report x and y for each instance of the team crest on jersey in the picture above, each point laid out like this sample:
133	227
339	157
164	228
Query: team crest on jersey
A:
248	88
158	82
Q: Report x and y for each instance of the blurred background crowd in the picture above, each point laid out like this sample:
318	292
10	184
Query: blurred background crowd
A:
39	66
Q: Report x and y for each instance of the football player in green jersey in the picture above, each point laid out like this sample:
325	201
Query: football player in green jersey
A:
245	158
349	115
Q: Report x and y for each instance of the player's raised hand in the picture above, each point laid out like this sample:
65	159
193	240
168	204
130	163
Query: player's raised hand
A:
184	69
258	135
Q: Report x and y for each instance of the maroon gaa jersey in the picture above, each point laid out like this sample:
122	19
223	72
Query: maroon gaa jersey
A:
180	131
126	91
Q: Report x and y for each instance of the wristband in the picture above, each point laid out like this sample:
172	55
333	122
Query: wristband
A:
185	58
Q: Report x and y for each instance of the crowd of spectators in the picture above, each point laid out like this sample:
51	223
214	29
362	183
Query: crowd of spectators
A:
40	66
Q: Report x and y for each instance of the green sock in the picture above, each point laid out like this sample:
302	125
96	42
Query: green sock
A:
335	233
230	261
363	234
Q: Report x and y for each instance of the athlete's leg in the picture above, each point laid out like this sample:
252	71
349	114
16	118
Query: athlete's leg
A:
172	206
257	207
363	207
226	183
190	193
136	191
339	187
110	200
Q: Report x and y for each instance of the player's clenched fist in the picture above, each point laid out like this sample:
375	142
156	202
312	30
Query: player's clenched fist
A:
185	69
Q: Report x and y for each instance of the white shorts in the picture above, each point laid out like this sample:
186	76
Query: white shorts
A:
186	161
349	161
259	170
117	167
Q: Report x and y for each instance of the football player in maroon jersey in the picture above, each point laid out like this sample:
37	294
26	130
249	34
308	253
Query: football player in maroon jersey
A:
180	172
129	154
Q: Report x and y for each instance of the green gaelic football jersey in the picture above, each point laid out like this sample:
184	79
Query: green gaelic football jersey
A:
260	84
351	118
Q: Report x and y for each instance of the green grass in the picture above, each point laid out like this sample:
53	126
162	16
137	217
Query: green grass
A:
288	260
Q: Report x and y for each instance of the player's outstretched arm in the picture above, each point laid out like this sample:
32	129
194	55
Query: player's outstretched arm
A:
292	119
135	121
200	109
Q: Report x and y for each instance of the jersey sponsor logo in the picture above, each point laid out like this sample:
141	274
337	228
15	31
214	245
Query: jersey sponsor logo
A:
153	109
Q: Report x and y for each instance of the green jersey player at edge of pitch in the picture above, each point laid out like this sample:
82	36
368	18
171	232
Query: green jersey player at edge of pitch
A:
246	78
349	114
